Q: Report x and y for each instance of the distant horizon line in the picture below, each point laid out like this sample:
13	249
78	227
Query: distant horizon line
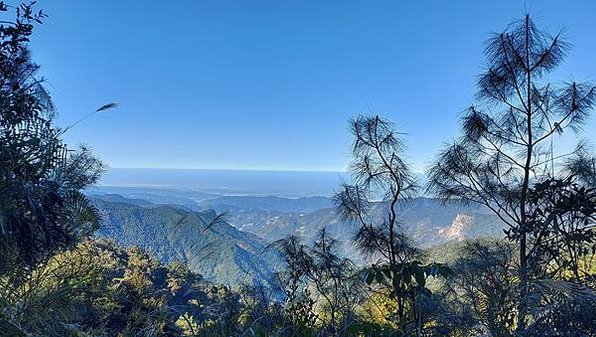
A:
227	169
414	170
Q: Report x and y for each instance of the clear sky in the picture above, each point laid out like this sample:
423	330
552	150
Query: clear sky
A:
271	84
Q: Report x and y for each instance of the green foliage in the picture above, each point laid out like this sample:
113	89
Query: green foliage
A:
484	288
561	229
42	208
102	289
412	274
320	288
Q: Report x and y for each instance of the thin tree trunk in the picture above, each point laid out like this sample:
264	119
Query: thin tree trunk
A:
523	263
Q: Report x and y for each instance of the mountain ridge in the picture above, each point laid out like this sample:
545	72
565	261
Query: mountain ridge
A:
208	246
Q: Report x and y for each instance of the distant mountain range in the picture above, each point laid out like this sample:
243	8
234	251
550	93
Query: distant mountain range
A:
174	225
269	203
429	221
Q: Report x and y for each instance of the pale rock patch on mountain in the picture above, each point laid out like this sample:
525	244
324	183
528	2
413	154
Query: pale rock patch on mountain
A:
458	227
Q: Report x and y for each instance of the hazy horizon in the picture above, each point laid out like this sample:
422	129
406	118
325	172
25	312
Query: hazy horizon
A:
223	169
228	182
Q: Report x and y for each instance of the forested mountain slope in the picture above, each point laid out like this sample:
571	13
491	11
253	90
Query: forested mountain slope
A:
216	250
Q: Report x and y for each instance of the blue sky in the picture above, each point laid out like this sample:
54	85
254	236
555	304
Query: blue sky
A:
271	84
